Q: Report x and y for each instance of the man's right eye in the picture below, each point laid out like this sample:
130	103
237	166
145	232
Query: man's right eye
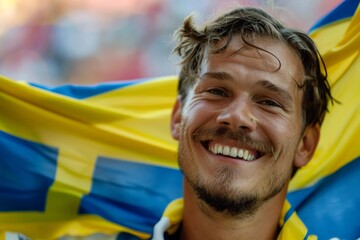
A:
217	91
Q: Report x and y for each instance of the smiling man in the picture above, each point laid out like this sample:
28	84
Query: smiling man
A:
252	97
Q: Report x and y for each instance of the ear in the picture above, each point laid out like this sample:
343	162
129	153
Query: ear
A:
176	119
307	146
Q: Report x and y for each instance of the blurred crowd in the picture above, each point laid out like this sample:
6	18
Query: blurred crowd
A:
54	42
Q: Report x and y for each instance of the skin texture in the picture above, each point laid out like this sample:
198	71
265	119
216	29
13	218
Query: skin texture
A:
242	99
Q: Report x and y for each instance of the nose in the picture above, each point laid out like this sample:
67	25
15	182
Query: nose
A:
237	114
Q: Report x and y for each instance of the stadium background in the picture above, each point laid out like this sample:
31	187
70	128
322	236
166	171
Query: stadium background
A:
53	42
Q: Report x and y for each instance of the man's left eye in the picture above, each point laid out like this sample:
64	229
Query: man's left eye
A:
270	103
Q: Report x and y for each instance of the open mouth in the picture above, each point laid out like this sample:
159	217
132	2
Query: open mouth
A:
241	153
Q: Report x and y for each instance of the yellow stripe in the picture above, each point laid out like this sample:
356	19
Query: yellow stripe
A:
80	226
174	212
45	124
159	93
73	178
293	229
325	38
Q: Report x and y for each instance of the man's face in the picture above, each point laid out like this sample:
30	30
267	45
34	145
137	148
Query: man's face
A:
240	129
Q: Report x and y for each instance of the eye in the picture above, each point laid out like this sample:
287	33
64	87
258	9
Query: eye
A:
217	91
271	103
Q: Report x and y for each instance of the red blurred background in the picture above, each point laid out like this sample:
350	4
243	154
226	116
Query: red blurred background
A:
54	42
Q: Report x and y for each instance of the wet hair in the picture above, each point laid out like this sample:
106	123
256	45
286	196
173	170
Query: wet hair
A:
250	23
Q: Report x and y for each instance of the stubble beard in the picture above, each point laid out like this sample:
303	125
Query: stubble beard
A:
221	197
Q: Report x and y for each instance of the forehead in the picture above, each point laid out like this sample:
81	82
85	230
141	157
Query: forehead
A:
261	54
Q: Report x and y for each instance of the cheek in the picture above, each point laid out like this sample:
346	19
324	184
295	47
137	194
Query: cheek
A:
283	133
196	114
281	126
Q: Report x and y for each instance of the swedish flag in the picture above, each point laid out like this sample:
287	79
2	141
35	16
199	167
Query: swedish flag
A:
79	160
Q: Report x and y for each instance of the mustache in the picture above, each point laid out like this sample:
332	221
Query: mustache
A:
239	136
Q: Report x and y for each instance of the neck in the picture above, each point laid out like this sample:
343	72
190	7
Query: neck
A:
201	222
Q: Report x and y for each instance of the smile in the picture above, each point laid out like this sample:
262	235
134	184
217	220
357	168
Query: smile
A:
234	152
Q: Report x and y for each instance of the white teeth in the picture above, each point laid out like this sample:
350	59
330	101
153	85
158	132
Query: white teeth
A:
219	149
213	149
240	153
232	151
246	154
226	151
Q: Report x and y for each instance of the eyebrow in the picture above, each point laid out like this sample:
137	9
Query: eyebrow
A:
217	75
274	88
